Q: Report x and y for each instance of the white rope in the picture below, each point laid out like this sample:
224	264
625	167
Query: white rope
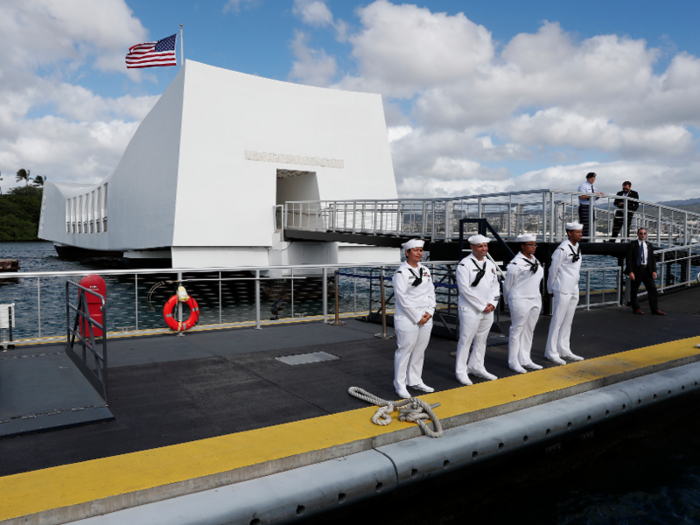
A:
413	410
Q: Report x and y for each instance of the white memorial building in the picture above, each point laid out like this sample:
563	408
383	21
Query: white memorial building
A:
198	184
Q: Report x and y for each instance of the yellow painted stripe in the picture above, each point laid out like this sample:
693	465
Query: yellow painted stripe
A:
62	486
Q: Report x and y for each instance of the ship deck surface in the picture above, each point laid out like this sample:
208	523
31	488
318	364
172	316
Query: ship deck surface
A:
209	392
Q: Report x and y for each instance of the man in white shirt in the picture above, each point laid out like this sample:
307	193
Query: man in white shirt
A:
562	284
521	290
413	319
479	292
586	206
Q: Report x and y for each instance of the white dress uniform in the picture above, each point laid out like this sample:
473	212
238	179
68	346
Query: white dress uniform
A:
563	283
474	324
521	290
412	338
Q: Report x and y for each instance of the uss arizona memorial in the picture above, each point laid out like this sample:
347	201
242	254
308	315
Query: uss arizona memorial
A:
199	182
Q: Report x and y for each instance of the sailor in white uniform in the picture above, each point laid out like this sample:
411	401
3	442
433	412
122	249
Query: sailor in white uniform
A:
521	290
478	297
413	319
563	285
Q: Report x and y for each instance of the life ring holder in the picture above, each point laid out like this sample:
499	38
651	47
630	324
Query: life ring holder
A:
192	320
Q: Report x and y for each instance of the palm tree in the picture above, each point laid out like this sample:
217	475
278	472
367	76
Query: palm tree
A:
39	180
23	174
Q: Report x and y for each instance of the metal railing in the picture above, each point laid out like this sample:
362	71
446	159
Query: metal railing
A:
241	296
83	329
600	295
226	296
543	213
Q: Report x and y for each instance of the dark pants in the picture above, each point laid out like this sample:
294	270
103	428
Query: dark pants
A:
619	220
643	275
583	212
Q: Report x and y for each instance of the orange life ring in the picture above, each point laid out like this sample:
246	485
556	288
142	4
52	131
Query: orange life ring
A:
191	320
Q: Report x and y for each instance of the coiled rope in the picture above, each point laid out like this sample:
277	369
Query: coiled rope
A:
413	410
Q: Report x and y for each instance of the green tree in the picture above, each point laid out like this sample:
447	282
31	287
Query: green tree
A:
20	210
23	175
39	180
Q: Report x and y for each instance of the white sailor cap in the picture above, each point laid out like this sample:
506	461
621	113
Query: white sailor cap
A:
413	243
478	239
526	237
574	226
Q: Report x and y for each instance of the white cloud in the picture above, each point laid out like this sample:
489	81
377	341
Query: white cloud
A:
312	66
313	12
47	42
234	6
316	13
546	96
44	32
403	49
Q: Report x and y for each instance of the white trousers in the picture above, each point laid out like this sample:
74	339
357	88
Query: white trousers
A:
523	316
412	340
559	338
473	326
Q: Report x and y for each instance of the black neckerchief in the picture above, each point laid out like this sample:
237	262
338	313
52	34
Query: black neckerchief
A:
575	256
533	265
419	279
480	274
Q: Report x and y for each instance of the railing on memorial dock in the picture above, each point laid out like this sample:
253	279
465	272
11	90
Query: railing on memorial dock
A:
543	213
260	296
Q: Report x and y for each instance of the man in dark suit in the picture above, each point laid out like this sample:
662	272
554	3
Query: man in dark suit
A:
632	206
641	267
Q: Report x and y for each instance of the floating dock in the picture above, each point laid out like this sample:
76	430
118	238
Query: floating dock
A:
215	427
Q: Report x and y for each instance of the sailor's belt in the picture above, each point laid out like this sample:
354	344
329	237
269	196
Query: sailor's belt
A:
642	265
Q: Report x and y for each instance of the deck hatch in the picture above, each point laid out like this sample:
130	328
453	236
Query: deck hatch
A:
303	359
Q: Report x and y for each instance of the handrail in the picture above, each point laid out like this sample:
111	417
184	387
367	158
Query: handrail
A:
74	273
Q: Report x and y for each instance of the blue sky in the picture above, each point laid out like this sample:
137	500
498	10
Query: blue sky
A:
479	96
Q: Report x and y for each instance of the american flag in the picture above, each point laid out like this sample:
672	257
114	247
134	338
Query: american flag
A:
152	54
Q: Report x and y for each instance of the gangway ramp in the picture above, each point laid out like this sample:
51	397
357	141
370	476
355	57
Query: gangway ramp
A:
543	213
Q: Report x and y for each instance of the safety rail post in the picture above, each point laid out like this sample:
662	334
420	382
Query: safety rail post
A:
38	303
685	228
180	332
291	287
337	321
136	299
383	335
552	221
625	222
325	295
588	289
220	306
510	207
658	228
662	273
354	295
257	300
544	217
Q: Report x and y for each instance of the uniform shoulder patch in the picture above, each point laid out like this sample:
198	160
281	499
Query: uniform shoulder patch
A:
398	271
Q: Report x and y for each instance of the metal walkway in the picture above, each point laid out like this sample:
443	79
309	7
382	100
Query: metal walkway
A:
540	212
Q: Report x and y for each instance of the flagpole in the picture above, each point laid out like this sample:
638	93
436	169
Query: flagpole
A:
182	48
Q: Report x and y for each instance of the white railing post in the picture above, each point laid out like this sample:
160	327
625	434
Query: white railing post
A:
588	289
38	302
257	300
544	217
325	295
136	299
658	228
